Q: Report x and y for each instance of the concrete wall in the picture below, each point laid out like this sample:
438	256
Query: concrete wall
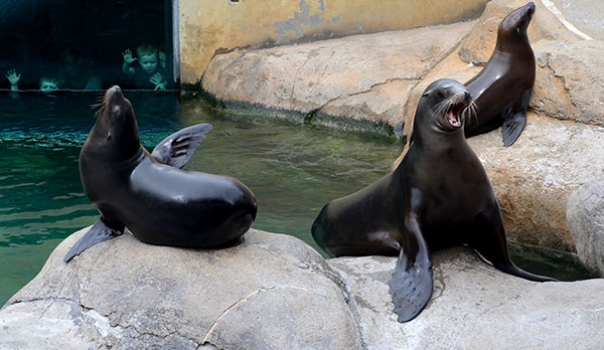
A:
209	27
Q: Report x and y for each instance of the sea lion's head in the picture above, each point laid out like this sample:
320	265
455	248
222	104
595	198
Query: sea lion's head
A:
513	27
116	123
442	108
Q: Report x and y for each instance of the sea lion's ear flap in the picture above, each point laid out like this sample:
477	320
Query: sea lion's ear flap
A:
177	149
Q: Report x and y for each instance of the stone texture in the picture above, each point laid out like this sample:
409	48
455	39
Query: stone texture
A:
585	218
570	80
362	77
475	306
534	178
270	292
275	292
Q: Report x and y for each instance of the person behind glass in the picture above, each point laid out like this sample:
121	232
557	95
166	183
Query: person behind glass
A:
47	84
148	73
75	75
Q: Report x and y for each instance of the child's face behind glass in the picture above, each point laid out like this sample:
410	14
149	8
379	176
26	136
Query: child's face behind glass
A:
148	63
48	86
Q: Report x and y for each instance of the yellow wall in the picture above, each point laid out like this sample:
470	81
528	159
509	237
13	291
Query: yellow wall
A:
208	27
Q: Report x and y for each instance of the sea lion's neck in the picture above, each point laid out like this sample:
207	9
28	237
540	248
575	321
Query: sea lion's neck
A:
441	147
120	141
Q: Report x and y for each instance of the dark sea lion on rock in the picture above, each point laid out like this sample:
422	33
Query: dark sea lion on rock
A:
438	196
503	88
149	193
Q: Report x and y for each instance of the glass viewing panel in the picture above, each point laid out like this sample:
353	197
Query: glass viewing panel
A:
83	45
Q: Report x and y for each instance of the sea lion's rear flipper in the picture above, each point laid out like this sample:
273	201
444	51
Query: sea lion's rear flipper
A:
514	121
177	149
98	233
411	285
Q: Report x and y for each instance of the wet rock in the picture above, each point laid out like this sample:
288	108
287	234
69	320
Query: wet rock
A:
269	292
475	306
585	217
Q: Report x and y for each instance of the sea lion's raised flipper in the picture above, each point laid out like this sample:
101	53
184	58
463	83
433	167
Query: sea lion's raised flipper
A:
412	284
98	233
514	121
177	149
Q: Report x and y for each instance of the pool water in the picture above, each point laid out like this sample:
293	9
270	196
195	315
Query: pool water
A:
293	168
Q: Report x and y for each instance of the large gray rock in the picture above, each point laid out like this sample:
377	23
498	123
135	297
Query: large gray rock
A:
275	292
585	218
270	292
474	306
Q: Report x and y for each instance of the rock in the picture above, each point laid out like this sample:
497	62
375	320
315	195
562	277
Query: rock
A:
475	306
534	178
275	292
570	81
363	77
270	292
585	218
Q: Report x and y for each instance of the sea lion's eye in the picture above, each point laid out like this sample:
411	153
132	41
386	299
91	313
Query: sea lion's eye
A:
116	109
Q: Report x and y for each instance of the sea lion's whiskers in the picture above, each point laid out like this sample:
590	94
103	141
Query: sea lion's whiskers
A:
471	111
444	106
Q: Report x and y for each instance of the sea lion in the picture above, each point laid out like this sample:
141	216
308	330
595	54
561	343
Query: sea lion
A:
149	193
438	196
503	88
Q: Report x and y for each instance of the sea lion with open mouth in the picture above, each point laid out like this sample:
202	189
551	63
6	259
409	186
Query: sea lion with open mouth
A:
438	196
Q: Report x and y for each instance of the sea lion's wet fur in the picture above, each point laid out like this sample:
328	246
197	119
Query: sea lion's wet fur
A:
160	204
439	196
502	89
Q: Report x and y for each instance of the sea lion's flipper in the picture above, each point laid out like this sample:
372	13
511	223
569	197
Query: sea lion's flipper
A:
412	284
98	233
512	127
177	149
489	240
514	121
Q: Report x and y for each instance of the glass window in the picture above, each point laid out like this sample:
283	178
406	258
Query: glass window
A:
81	45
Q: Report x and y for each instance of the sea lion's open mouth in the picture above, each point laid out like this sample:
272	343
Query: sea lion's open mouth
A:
453	114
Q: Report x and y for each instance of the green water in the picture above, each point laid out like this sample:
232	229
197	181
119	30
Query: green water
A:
293	169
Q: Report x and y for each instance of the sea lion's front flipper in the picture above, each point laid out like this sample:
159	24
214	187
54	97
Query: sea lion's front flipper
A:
512	127
411	285
98	233
177	149
514	121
